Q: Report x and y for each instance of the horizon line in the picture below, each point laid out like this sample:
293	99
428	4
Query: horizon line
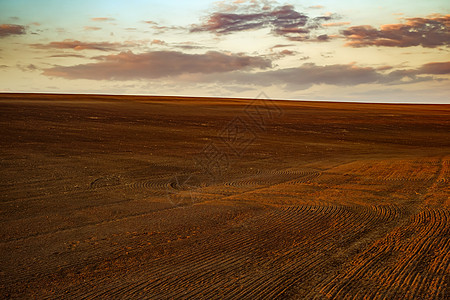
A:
227	98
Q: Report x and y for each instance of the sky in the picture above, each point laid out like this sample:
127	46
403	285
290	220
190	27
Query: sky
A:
365	51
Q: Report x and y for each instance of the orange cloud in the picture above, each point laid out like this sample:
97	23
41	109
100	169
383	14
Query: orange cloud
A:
11	29
91	28
159	42
102	19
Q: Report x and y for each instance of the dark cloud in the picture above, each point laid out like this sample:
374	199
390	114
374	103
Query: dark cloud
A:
126	65
281	54
11	29
68	55
436	68
427	32
283	21
287	52
77	45
310	74
281	46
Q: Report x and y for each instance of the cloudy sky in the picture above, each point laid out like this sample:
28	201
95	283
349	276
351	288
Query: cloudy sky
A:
370	51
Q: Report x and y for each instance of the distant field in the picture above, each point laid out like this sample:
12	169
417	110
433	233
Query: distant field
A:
160	197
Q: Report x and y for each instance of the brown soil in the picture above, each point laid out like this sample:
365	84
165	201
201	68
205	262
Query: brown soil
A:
159	197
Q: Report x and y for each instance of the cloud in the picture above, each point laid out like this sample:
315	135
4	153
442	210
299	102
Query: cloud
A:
11	29
281	54
68	55
162	28
27	68
310	74
159	42
157	64
316	6
181	45
426	32
287	52
281	46
333	24
283	21
77	45
436	68
102	19
91	28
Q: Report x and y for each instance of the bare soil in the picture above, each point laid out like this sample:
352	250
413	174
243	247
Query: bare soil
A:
197	198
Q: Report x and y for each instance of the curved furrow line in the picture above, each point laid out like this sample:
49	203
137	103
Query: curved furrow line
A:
211	256
253	284
425	241
267	179
405	179
167	269
286	214
162	279
149	185
302	254
244	183
179	276
365	215
274	273
248	239
338	286
276	288
331	288
135	215
423	246
304	179
171	289
384	212
106	182
288	171
442	282
169	284
400	282
411	284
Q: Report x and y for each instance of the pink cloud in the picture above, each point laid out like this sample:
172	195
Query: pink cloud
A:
78	45
426	32
333	24
127	65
